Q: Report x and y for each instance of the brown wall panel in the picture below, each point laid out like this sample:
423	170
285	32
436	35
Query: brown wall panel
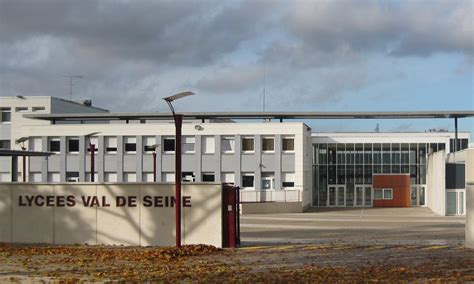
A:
401	190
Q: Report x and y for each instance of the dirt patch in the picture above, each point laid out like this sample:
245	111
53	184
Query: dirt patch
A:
330	262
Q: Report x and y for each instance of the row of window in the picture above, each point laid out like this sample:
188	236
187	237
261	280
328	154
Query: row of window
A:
168	144
247	182
5	112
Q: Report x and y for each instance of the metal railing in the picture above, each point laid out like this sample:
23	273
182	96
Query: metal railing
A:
270	196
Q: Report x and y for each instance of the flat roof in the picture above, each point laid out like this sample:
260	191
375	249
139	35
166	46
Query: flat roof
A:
254	115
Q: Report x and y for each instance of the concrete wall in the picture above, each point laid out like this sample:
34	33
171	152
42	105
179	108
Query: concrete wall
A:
62	214
435	181
470	215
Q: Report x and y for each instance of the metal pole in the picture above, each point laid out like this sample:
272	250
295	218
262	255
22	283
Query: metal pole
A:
154	166
24	168
178	120
92	149
455	134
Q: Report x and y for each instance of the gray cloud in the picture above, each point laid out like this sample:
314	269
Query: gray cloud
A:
134	52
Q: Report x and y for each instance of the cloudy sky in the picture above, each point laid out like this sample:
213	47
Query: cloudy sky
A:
308	55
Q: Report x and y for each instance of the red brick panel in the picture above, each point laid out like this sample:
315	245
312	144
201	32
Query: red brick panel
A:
401	190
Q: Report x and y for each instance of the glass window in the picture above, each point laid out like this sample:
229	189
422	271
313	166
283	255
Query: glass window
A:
341	174
359	150
110	177
422	153
405	153
6	115
4	144
413	175
332	174
367	174
94	141
54	145
288	144
21	109
130	144
433	148
323	154
288	180
248	181
387	193
248	144
367	154
149	144
268	180
209	177
323	181
377	153
168	144
54	177
413	154
167	177
396	156
187	177
350	154
188	144
332	154
228	177
73	145
72	176
129	177
38	109
341	154
208	144
228	144
378	193
268	144
441	146
111	145
359	174
386	154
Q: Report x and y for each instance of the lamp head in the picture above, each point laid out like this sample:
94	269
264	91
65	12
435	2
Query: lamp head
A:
21	140
178	96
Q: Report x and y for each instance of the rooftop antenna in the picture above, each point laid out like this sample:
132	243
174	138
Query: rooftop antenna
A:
377	128
264	84
71	83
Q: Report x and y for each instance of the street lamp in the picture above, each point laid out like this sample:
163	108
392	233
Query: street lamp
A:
178	121
154	146
22	141
92	150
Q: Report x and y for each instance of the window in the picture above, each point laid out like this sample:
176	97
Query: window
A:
73	145
288	144
248	144
188	144
38	109
88	177
268	181
187	177
208	144
72	176
21	109
54	145
147	177
268	144
149	144
35	144
167	177
228	177
94	141
288	180
110	177
4	144
383	193
6	115
168	144
129	177
228	144
111	145
130	144
34	177
54	177
208	177
248	181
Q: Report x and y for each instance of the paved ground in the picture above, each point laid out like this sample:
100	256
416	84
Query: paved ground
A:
410	226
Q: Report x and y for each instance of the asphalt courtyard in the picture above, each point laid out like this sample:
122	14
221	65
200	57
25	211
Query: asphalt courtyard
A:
363	226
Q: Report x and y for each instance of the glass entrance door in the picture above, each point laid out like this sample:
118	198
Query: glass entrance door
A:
363	195
337	195
417	195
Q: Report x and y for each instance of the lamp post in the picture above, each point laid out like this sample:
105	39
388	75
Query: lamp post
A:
178	121
92	150
22	141
154	146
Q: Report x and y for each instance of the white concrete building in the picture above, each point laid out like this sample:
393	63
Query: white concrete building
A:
280	166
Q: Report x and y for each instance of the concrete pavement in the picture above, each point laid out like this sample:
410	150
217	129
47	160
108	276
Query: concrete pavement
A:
417	226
